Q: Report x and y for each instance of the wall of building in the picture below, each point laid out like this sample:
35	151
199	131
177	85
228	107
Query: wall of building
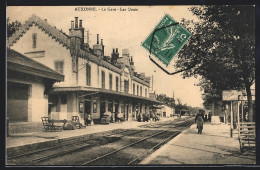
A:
82	73
143	89
39	102
168	111
52	51
107	72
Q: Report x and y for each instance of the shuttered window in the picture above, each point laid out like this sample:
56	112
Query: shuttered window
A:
110	81
34	40
103	79
134	89
59	66
117	84
126	83
88	75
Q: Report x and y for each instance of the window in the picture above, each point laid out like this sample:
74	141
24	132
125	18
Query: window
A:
59	66
133	89
88	74
145	92
103	79
141	91
110	81
137	89
34	39
117	84
126	83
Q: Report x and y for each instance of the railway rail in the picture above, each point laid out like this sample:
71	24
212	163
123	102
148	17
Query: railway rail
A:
65	148
164	136
109	158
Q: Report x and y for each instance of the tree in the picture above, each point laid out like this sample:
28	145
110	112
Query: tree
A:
12	27
165	99
222	48
179	106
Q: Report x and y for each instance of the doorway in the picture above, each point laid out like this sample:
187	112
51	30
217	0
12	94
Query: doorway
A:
17	102
87	109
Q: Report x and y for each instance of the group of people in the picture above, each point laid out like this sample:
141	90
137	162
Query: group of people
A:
145	117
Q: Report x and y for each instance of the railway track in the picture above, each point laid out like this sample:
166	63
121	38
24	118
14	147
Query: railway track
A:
96	150
162	138
64	148
169	124
109	158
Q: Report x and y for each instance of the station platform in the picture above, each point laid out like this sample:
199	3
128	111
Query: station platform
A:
214	146
21	140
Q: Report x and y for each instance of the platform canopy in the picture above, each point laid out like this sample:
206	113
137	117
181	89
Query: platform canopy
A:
93	90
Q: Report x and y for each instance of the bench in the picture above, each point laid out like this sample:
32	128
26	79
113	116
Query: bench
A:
48	125
246	135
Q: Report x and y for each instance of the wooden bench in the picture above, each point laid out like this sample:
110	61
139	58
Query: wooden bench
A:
246	135
48	125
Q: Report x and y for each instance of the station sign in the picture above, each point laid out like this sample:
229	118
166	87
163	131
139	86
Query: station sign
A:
230	95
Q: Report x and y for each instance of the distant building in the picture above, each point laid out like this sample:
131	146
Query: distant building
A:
94	84
167	111
28	84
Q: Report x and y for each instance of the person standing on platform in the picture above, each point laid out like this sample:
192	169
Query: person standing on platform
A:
205	118
199	121
209	117
120	117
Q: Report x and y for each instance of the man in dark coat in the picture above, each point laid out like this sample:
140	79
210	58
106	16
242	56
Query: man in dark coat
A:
199	121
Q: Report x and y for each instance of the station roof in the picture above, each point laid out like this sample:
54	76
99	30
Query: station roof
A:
18	62
103	91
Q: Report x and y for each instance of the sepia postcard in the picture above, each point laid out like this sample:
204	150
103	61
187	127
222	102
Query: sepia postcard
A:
158	85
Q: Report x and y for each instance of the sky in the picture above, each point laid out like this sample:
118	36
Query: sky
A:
123	29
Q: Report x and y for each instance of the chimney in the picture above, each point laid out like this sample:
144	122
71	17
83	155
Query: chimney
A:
45	20
80	23
76	22
72	24
103	49
113	51
116	50
97	38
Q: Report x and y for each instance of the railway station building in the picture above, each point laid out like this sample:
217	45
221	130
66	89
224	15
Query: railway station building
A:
94	85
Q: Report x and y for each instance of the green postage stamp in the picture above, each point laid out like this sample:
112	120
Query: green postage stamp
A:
166	40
